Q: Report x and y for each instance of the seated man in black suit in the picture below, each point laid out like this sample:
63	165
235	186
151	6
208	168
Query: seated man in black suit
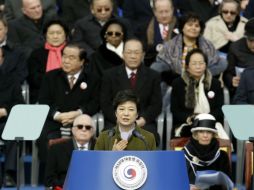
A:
69	91
133	75
59	155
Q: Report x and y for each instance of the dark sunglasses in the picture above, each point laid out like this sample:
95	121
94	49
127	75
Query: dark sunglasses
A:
88	127
228	12
117	34
99	10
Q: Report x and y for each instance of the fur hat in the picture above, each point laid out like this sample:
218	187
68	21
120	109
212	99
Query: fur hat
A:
204	122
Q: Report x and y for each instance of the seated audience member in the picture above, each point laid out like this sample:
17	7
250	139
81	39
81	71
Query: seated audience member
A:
248	12
69	91
240	56
139	13
87	29
47	57
227	27
195	92
26	31
206	9
170	60
245	91
10	95
203	151
133	74
110	52
13	10
13	59
126	135
160	29
59	155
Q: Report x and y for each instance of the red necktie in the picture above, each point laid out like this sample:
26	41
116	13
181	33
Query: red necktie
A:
133	80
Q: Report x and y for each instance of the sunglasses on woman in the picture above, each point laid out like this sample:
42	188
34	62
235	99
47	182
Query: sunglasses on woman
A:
228	12
117	34
87	127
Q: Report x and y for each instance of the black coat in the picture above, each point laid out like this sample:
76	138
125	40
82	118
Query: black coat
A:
37	63
181	112
104	59
55	92
147	89
59	157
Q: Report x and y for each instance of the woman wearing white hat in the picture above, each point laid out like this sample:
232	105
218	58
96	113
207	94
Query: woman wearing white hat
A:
202	151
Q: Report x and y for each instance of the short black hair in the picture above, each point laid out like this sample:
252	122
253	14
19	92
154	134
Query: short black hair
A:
82	51
56	21
134	39
193	51
3	19
190	16
110	22
125	96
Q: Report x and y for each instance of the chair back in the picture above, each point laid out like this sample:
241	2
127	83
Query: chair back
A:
248	164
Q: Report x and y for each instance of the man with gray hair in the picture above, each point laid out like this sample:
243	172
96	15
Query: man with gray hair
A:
59	155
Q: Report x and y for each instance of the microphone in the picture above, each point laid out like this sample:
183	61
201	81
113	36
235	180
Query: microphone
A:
111	133
137	134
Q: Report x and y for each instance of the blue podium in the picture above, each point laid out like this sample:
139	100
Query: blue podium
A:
145	170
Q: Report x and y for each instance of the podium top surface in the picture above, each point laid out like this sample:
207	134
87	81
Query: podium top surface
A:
94	169
25	121
240	119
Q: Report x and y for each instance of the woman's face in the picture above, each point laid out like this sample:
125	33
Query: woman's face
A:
126	114
203	137
229	12
197	66
191	29
114	34
55	35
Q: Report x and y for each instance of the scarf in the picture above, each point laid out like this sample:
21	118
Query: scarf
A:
201	155
118	50
54	56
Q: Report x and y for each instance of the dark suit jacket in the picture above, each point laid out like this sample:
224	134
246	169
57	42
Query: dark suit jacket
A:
14	62
59	157
147	89
37	69
56	93
26	33
181	112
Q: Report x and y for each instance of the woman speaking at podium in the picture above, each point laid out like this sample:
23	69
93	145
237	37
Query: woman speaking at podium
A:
126	135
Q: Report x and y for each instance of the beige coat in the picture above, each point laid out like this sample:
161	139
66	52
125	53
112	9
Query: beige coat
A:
216	28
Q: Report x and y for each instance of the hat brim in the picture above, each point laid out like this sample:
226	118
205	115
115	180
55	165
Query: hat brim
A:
204	129
249	36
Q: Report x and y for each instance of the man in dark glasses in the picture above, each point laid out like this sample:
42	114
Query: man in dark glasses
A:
59	156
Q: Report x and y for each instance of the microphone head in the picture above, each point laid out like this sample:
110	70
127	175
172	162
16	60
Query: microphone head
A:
111	132
137	134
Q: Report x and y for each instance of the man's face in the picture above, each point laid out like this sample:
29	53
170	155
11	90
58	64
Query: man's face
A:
3	31
163	11
250	44
102	9
71	63
32	9
133	54
82	129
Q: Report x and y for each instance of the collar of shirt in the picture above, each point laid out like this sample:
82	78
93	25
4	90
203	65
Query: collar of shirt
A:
129	71
84	145
161	26
76	76
125	135
3	43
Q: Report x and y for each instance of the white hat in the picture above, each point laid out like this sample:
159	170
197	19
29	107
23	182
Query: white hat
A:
204	122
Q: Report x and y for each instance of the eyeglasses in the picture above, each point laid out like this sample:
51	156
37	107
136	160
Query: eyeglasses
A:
99	10
88	127
228	12
117	34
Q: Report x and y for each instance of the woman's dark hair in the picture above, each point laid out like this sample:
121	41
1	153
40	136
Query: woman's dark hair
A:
3	19
110	22
58	22
198	51
82	51
125	96
190	16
